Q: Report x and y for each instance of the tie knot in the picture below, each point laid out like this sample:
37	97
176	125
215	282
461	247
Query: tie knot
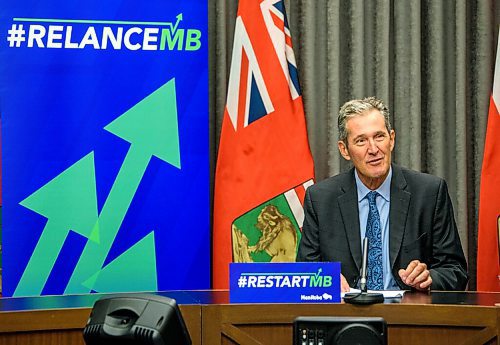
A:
372	196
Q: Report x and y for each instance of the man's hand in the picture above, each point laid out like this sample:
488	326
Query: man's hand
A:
416	275
344	287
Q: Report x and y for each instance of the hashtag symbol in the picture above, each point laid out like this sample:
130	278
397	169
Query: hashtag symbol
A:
16	35
242	281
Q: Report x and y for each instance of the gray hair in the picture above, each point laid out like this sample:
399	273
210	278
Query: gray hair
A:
357	107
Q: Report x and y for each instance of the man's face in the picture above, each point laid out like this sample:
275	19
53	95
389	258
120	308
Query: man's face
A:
369	146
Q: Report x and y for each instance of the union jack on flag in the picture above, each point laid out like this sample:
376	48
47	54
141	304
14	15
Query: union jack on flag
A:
264	160
246	79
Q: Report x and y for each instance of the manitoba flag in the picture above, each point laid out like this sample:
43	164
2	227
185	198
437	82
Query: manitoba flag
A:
264	162
488	259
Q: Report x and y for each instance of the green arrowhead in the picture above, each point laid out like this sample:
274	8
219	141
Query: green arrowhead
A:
69	198
134	270
151	124
151	128
179	16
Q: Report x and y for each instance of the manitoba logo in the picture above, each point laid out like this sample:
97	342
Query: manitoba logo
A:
323	297
270	231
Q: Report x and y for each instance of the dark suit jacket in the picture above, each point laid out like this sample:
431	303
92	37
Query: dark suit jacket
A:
421	226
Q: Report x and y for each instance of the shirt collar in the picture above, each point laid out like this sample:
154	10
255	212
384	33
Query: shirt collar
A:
384	190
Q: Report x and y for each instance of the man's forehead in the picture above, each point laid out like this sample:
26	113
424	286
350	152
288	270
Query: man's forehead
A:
366	117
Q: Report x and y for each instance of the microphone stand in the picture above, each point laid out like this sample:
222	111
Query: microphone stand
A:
364	297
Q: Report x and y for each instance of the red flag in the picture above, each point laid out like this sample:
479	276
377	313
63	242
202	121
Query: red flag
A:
264	162
488	258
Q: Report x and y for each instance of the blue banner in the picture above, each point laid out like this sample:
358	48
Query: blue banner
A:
291	282
104	110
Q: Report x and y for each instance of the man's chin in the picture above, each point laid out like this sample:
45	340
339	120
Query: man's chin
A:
378	173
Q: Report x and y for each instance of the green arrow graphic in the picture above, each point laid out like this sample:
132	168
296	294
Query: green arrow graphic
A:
69	203
174	27
150	127
139	262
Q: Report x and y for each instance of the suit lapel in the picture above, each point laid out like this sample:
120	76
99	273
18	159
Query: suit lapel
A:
348	204
400	201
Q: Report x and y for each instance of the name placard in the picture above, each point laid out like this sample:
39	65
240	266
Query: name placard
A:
291	282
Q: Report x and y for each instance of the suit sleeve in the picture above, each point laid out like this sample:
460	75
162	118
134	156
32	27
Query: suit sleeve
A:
448	267
309	244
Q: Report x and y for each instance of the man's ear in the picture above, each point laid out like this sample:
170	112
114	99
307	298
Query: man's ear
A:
343	150
392	135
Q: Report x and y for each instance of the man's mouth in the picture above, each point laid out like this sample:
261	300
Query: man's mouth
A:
375	161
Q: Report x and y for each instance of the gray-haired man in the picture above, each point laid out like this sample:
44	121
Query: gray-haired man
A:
406	215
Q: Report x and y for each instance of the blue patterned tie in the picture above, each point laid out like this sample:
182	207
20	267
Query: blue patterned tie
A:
374	234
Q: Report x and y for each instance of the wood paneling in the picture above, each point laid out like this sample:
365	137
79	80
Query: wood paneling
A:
407	324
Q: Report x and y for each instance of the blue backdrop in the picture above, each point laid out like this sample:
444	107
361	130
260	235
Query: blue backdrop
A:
90	203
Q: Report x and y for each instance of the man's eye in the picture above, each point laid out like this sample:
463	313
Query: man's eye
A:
360	141
380	137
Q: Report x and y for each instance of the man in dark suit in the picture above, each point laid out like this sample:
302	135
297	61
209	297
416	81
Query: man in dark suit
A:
406	215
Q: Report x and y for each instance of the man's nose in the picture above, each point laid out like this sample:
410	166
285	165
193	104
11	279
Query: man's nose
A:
372	146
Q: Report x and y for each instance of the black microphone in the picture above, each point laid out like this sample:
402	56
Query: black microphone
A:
364	297
364	265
